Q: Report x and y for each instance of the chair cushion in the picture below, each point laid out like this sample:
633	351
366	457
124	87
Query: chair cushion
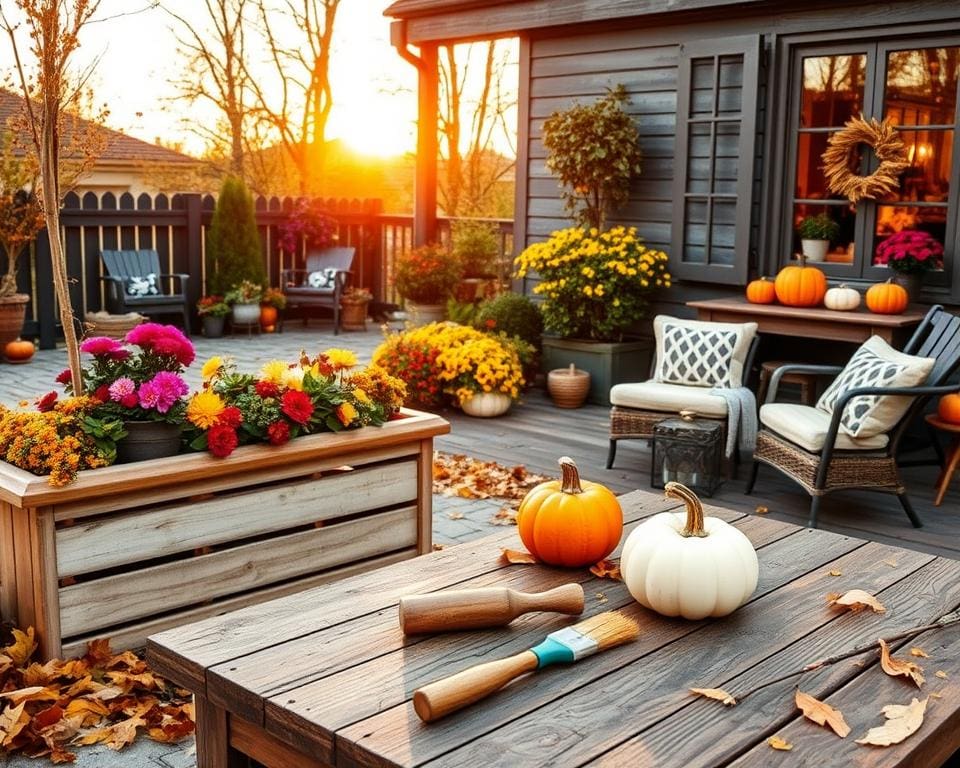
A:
141	287
670	398
875	364
701	354
807	427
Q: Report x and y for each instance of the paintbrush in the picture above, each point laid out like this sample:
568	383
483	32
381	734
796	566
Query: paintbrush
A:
598	633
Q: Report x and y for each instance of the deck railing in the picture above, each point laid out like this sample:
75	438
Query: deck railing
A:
176	227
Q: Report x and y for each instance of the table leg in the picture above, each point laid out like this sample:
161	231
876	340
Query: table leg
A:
952	461
213	742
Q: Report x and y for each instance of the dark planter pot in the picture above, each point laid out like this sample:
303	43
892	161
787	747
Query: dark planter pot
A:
912	282
607	362
148	440
213	326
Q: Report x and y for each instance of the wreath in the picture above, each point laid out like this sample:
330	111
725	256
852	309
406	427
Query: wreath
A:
888	148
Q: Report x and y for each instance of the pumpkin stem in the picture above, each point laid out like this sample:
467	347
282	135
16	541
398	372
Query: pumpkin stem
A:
694	526
570	482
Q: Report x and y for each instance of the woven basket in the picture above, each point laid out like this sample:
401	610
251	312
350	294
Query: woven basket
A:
568	386
112	326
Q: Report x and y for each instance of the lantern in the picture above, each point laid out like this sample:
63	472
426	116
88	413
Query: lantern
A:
687	451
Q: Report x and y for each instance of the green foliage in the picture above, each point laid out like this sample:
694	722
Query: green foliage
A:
476	246
593	151
819	227
233	243
514	315
462	312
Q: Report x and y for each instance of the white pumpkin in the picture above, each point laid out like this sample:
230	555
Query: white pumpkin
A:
842	298
683	564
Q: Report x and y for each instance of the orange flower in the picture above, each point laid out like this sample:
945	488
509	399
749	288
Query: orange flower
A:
346	413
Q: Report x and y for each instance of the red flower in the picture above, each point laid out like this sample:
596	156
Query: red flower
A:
221	440
130	401
266	389
64	377
491	323
102	393
278	433
297	406
47	402
230	417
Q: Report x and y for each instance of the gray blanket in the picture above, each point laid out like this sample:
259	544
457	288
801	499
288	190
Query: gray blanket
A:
741	418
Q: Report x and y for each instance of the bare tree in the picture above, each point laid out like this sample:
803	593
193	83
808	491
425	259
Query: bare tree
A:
53	27
298	108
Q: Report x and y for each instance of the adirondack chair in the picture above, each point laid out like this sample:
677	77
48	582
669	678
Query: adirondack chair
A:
320	283
135	283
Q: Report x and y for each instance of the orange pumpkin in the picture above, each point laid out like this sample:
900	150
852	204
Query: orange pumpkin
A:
19	351
887	298
568	522
268	317
949	408
761	291
800	286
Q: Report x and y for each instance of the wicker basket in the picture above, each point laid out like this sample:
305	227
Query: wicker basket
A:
112	326
568	386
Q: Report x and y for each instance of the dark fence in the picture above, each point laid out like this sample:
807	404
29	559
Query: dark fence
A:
176	227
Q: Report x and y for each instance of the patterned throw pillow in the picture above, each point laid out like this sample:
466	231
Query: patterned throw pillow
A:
141	287
701	354
323	279
875	364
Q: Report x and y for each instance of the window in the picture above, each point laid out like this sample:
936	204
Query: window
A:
716	127
914	84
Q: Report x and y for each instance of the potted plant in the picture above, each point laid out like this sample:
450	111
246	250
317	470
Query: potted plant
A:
213	311
244	300
233	252
816	232
307	228
271	304
910	254
425	278
353	308
476	246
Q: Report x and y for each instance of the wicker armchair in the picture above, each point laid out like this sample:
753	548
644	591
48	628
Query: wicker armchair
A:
832	460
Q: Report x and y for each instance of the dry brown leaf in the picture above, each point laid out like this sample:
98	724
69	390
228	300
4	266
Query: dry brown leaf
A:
902	720
899	667
836	573
936	695
856	600
891	563
504	516
941	674
761	510
718	694
439	547
455	515
777	743
460	475
22	647
33	693
516	556
822	713
12	721
607	569
919	653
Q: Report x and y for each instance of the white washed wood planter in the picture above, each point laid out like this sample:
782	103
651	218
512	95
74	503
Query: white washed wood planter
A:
132	549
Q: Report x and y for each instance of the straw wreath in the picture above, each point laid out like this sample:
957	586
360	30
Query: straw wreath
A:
888	148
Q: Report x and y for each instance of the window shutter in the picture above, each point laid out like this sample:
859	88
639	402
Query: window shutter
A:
717	93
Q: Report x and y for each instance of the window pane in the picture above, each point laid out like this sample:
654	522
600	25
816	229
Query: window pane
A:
731	84
726	167
921	86
811	182
841	249
892	218
928	176
695	232
832	90
701	87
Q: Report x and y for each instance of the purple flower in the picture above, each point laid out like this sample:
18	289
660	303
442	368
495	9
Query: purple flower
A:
103	346
910	251
121	388
162	391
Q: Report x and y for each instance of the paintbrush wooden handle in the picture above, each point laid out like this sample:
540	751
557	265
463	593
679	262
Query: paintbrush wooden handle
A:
484	607
439	699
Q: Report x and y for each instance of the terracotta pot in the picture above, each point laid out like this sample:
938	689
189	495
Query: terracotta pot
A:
13	309
268	318
568	387
486	405
353	315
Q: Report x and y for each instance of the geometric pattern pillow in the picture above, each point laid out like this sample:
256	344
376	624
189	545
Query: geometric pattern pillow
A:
701	354
139	287
875	364
323	278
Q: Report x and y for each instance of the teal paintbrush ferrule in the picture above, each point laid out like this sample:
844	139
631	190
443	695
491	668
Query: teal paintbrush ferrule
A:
551	652
564	646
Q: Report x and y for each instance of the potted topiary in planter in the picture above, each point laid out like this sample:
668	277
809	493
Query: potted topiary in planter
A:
233	252
475	245
816	232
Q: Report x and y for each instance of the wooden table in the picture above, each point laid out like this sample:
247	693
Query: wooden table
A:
809	322
952	459
325	677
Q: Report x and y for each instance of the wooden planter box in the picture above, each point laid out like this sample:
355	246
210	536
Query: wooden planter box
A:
132	549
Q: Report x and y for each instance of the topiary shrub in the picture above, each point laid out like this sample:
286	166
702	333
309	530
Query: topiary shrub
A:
233	242
512	314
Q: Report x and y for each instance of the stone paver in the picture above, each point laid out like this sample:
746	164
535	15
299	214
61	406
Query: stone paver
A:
25	382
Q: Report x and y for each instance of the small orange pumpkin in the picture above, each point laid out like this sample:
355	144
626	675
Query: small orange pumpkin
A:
568	522
268	317
887	298
949	408
800	286
761	291
19	351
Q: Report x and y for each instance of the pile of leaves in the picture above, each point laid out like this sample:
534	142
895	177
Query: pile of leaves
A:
101	698
459	475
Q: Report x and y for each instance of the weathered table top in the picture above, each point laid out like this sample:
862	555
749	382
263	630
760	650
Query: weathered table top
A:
329	673
809	322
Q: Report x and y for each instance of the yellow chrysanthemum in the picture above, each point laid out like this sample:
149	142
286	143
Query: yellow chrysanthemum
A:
341	359
274	371
361	396
211	368
346	413
204	409
293	378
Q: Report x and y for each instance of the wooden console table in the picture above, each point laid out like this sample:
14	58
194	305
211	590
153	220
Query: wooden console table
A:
808	322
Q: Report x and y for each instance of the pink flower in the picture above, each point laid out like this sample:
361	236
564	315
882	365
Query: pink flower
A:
105	347
162	391
121	388
164	340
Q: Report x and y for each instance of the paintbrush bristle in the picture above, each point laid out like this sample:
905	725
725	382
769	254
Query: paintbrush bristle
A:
609	629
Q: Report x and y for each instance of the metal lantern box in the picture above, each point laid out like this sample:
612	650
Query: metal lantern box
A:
687	451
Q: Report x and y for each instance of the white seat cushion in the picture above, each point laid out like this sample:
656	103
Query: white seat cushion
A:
670	398
807	427
701	354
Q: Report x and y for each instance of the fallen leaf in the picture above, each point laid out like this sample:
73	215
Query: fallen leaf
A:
777	743
22	647
941	674
516	556
902	720
468	478
438	547
601	598
936	695
455	515
919	652
760	510
718	694
899	667
504	516
822	713
33	693
606	569
891	563
12	721
836	573
856	600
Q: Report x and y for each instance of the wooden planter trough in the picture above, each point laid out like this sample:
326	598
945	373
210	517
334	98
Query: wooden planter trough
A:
129	550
